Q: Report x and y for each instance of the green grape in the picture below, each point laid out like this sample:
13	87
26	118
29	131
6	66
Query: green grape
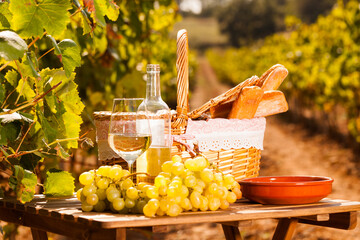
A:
224	204
88	189
162	190
140	206
174	210
101	193
86	207
186	173
148	211
103	171
100	206
178	199
167	175
126	184
198	188
195	199
92	199
177	168
196	164
190	181
110	188
184	191
112	194
218	177
235	185
167	166
172	200
164	204
125	173
186	204
132	193
141	185
214	203
116	173
152	192
102	183
154	204
86	178
160	212
229	179
118	204
79	195
207	175
213	188
176	184
129	203
237	192
204	205
176	158
160	181
231	197
172	191
200	183
222	192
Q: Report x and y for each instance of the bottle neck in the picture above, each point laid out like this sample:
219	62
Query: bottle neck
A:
153	85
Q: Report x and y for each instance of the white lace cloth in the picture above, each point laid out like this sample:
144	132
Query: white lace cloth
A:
214	134
217	134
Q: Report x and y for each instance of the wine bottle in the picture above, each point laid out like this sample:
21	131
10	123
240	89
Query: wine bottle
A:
160	124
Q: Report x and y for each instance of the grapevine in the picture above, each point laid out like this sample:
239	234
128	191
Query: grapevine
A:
190	185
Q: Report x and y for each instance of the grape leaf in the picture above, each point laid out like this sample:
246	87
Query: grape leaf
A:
31	17
70	53
12	46
59	184
24	183
47	127
9	132
12	77
100	10
25	89
29	161
5	15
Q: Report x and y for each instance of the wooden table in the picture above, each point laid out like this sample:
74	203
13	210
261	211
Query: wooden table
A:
64	216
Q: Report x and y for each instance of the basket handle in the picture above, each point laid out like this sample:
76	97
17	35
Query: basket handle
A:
182	66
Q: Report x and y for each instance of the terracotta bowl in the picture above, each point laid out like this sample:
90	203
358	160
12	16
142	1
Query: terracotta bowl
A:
286	189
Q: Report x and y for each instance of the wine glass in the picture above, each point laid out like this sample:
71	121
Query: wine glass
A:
129	129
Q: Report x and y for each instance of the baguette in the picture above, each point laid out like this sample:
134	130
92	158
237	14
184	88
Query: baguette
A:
275	78
221	110
273	102
247	102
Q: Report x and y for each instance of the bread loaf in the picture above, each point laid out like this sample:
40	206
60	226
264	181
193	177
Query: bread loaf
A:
275	78
247	102
272	102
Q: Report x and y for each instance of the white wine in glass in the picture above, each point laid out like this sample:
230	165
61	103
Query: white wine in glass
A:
129	129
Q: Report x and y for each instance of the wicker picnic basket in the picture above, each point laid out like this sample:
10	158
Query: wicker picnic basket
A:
242	163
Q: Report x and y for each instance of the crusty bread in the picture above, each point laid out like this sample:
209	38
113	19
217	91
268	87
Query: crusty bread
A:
274	79
247	102
221	110
272	102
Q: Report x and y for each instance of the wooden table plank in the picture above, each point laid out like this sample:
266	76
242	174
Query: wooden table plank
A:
69	210
285	229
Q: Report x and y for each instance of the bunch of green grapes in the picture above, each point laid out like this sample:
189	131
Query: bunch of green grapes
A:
181	186
190	186
109	188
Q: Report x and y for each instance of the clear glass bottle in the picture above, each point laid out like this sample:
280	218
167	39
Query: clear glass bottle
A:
160	125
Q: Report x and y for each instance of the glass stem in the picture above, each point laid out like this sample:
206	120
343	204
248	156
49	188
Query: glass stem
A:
131	170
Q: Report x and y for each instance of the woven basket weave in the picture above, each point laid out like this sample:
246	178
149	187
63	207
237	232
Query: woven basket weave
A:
242	163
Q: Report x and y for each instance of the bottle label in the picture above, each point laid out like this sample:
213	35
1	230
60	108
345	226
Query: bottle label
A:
157	127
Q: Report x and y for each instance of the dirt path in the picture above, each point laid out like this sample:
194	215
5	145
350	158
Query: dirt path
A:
289	149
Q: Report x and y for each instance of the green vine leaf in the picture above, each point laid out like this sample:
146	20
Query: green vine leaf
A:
31	17
12	47
71	57
2	92
24	183
59	184
57	50
5	15
12	77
